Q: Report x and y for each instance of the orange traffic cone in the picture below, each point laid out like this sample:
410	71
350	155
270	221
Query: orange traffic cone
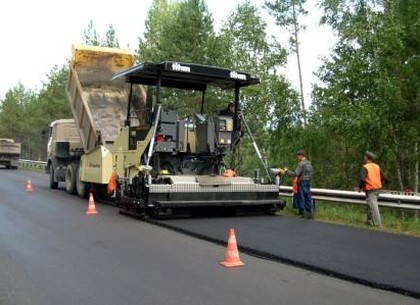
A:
91	206
29	188
232	254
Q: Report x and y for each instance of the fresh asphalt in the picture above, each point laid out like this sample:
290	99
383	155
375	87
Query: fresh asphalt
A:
52	253
378	259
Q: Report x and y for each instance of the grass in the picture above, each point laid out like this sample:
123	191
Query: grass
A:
393	220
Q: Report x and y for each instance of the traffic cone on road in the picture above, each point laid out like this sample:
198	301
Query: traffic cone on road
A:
232	254
29	188
91	206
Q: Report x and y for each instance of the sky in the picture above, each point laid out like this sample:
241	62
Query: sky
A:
36	35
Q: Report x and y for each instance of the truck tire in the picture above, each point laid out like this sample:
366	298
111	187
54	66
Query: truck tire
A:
71	176
53	183
81	187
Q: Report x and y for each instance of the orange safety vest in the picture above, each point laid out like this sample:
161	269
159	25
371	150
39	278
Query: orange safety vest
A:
373	177
112	183
295	185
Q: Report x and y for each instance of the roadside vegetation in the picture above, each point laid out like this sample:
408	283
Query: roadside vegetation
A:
393	220
367	96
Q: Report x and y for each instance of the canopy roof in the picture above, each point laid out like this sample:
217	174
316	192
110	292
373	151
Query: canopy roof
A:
186	76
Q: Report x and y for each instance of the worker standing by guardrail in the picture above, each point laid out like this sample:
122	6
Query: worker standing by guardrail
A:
304	173
371	178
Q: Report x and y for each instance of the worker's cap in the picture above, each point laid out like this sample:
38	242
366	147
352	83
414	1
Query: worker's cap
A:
231	104
370	155
301	153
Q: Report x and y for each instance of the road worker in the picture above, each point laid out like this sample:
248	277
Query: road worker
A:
371	178
303	173
229	110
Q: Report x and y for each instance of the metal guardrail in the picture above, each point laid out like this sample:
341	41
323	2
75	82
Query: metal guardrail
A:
32	164
409	201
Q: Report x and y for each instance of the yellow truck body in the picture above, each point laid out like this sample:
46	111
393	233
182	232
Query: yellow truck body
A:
99	108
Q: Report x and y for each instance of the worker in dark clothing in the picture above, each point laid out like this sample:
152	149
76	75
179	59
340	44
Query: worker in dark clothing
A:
304	173
229	111
371	178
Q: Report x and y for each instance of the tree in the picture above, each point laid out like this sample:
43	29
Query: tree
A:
26	115
111	40
160	13
369	95
12	112
180	31
287	13
91	37
270	107
51	104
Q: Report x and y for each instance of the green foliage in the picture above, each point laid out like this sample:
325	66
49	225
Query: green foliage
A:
369	97
111	39
180	31
160	14
287	14
12	112
285	11
270	104
26	115
91	37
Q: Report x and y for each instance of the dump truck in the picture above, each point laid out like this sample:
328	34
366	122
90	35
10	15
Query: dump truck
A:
10	152
152	161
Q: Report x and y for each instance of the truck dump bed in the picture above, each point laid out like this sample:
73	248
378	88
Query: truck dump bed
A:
8	148
99	105
9	153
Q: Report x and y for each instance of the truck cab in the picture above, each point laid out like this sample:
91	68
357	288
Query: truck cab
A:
64	148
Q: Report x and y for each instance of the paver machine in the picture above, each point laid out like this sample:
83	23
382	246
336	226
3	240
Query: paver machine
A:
180	160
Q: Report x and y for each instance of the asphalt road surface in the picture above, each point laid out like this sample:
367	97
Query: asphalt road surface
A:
381	260
52	253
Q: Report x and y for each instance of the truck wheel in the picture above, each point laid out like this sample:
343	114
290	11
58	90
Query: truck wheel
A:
81	186
53	183
71	176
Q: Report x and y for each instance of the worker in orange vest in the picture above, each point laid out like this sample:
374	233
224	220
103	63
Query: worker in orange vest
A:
371	178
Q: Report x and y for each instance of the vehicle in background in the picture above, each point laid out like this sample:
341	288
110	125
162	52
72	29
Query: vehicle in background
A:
10	152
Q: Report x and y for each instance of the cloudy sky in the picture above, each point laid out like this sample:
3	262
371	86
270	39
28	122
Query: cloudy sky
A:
36	35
